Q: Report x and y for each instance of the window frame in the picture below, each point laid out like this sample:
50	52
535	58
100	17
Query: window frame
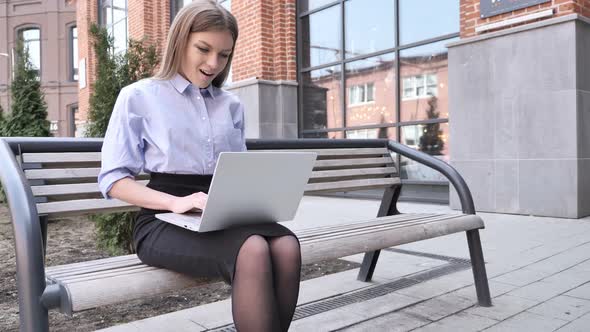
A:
18	33
73	72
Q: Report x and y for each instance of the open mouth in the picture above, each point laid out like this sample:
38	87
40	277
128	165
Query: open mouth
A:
205	73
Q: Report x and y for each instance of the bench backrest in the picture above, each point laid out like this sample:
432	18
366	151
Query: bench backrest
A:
65	183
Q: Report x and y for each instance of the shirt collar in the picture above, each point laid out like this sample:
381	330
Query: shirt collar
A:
181	84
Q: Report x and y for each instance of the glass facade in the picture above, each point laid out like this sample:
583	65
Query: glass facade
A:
377	69
113	16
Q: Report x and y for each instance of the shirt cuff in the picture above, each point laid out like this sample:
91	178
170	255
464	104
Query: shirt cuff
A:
107	182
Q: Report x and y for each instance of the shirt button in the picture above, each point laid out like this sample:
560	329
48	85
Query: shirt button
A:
208	140
198	97
203	118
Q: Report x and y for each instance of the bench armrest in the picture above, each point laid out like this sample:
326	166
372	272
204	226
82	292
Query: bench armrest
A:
447	170
26	227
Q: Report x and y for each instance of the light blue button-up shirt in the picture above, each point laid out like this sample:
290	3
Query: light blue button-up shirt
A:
169	126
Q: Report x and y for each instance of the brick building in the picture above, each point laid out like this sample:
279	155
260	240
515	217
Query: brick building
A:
48	29
500	88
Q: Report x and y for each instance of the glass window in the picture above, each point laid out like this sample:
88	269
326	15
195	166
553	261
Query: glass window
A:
371	88
322	38
114	18
429	138
425	19
322	103
425	75
31	38
369	28
307	5
74	53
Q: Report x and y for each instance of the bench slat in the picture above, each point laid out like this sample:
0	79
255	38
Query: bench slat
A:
62	173
83	206
351	185
69	189
353	172
61	157
343	163
134	280
77	157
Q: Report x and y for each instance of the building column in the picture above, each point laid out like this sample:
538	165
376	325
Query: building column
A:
520	109
264	66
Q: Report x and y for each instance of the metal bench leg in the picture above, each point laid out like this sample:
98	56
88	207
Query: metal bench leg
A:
387	208
479	269
368	266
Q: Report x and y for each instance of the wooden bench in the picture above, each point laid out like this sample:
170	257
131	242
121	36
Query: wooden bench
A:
48	178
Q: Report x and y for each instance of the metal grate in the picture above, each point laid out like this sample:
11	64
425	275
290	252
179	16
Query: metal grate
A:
454	265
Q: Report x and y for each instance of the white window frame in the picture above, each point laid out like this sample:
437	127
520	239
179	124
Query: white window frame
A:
412	84
365	98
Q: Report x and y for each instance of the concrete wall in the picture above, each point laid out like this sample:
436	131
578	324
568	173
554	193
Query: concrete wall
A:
271	107
519	118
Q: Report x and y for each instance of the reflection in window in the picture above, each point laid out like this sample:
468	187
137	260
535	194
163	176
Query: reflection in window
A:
322	104
31	38
74	53
371	91
307	5
419	86
321	34
362	133
361	94
369	28
114	18
425	19
429	138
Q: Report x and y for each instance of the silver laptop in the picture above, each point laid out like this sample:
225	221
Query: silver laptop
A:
250	187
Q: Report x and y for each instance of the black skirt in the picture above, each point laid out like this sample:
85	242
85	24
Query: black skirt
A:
209	254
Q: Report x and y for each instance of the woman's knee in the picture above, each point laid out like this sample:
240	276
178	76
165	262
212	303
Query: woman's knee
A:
286	247
255	246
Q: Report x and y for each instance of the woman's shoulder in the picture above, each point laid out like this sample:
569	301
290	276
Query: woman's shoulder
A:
146	86
224	94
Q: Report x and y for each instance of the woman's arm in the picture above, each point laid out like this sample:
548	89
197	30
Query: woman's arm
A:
134	193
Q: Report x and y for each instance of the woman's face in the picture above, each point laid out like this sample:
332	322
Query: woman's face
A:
206	56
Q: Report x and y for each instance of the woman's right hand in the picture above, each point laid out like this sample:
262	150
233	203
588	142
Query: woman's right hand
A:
194	202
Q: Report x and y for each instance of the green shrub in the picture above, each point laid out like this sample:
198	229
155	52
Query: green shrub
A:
115	231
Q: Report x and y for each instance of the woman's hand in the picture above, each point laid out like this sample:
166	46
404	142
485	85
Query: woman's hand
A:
194	202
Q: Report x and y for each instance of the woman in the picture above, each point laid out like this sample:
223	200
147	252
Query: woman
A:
174	126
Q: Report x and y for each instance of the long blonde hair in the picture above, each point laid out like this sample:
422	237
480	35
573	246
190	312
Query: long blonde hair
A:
198	16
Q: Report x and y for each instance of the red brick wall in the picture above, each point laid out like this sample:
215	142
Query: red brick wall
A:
267	44
266	47
470	15
86	12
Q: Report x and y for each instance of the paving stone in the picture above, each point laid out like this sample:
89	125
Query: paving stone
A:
579	325
461	321
393	322
527	321
522	277
496	289
439	307
582	292
439	286
552	286
503	307
562	307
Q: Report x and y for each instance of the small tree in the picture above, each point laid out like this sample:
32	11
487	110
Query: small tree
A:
115	231
2	122
29	110
430	142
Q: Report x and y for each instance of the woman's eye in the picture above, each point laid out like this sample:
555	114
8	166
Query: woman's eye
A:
204	50
225	56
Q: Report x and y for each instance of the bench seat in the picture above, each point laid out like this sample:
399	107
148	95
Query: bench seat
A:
101	282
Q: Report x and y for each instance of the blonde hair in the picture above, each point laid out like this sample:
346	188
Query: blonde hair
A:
198	16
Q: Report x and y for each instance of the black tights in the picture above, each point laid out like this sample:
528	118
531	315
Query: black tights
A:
266	284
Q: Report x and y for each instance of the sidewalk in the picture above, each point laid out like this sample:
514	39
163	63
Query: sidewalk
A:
538	270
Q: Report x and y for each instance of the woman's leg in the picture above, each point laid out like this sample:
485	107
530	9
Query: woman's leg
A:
254	306
286	264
